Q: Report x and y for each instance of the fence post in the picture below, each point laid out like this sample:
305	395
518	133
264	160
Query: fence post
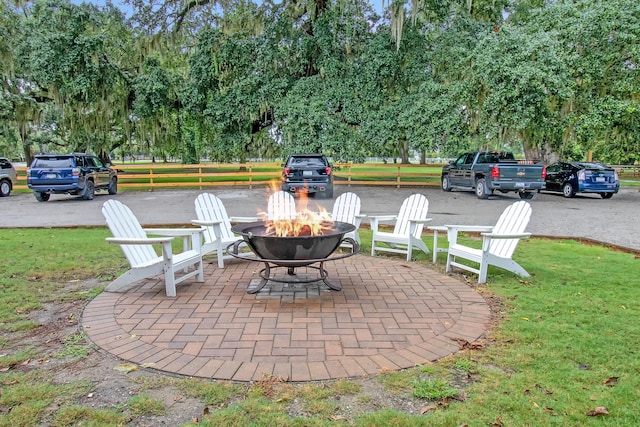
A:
250	176
398	178
151	177
349	174
200	176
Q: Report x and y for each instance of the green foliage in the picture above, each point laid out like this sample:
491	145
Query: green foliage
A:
264	80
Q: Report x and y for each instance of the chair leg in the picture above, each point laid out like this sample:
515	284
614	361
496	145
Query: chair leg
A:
220	255
169	279
200	276
484	267
449	259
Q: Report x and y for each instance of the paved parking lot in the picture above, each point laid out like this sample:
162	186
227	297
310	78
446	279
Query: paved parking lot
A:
613	221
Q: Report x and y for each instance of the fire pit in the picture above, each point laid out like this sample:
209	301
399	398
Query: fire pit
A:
293	251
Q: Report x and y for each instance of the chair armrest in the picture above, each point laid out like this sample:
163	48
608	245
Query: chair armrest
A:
205	223
452	231
164	241
421	221
413	224
375	219
507	236
190	235
477	228
173	232
383	217
243	218
132	241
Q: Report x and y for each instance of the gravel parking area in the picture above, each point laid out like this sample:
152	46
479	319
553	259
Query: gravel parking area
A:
612	221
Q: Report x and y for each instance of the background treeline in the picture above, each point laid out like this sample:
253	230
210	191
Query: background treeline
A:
232	79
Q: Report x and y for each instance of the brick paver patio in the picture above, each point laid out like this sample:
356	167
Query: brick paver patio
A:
390	315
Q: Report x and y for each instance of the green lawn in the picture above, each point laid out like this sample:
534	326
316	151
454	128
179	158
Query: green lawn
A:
565	344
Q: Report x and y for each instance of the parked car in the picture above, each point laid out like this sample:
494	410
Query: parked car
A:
7	176
308	173
486	171
570	178
77	174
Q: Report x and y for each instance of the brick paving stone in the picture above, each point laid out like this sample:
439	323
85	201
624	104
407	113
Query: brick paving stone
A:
390	315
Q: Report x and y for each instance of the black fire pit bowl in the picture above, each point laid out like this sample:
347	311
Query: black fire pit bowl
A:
292	248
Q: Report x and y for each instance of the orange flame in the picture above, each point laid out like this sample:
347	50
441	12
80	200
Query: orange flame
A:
306	223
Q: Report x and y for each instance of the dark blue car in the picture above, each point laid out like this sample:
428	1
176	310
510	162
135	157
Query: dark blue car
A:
570	178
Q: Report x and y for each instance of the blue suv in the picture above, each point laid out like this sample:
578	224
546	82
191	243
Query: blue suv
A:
77	174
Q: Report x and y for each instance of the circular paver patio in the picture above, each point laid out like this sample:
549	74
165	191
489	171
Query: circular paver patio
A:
389	315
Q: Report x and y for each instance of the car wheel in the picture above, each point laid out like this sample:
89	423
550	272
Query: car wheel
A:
41	197
481	189
606	195
328	193
113	186
446	184
5	188
89	191
527	195
567	190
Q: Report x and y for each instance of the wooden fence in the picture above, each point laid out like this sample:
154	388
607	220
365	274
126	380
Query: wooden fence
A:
153	176
160	175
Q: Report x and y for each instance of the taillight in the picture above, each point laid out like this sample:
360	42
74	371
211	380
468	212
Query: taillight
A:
495	172
287	170
544	173
328	170
75	171
581	175
615	176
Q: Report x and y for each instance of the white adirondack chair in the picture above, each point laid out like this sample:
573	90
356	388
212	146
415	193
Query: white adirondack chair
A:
498	243
346	208
143	259
281	206
407	232
212	216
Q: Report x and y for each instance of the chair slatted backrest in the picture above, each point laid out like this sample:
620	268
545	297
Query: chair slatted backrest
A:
513	220
281	206
415	206
209	207
124	224
346	207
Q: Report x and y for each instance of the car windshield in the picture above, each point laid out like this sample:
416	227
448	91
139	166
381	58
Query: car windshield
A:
53	162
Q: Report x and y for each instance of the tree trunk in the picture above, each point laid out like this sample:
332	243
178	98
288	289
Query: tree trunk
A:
403	148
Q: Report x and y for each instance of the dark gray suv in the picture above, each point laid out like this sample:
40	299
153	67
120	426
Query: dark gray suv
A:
77	174
308	173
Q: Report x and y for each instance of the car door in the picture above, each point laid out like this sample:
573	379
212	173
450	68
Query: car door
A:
100	171
460	171
553	175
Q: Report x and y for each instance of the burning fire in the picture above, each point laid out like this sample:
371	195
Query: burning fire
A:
306	223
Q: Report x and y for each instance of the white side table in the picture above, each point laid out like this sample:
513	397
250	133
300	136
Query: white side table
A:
436	249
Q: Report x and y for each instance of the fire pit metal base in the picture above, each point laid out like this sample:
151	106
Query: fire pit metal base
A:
272	264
